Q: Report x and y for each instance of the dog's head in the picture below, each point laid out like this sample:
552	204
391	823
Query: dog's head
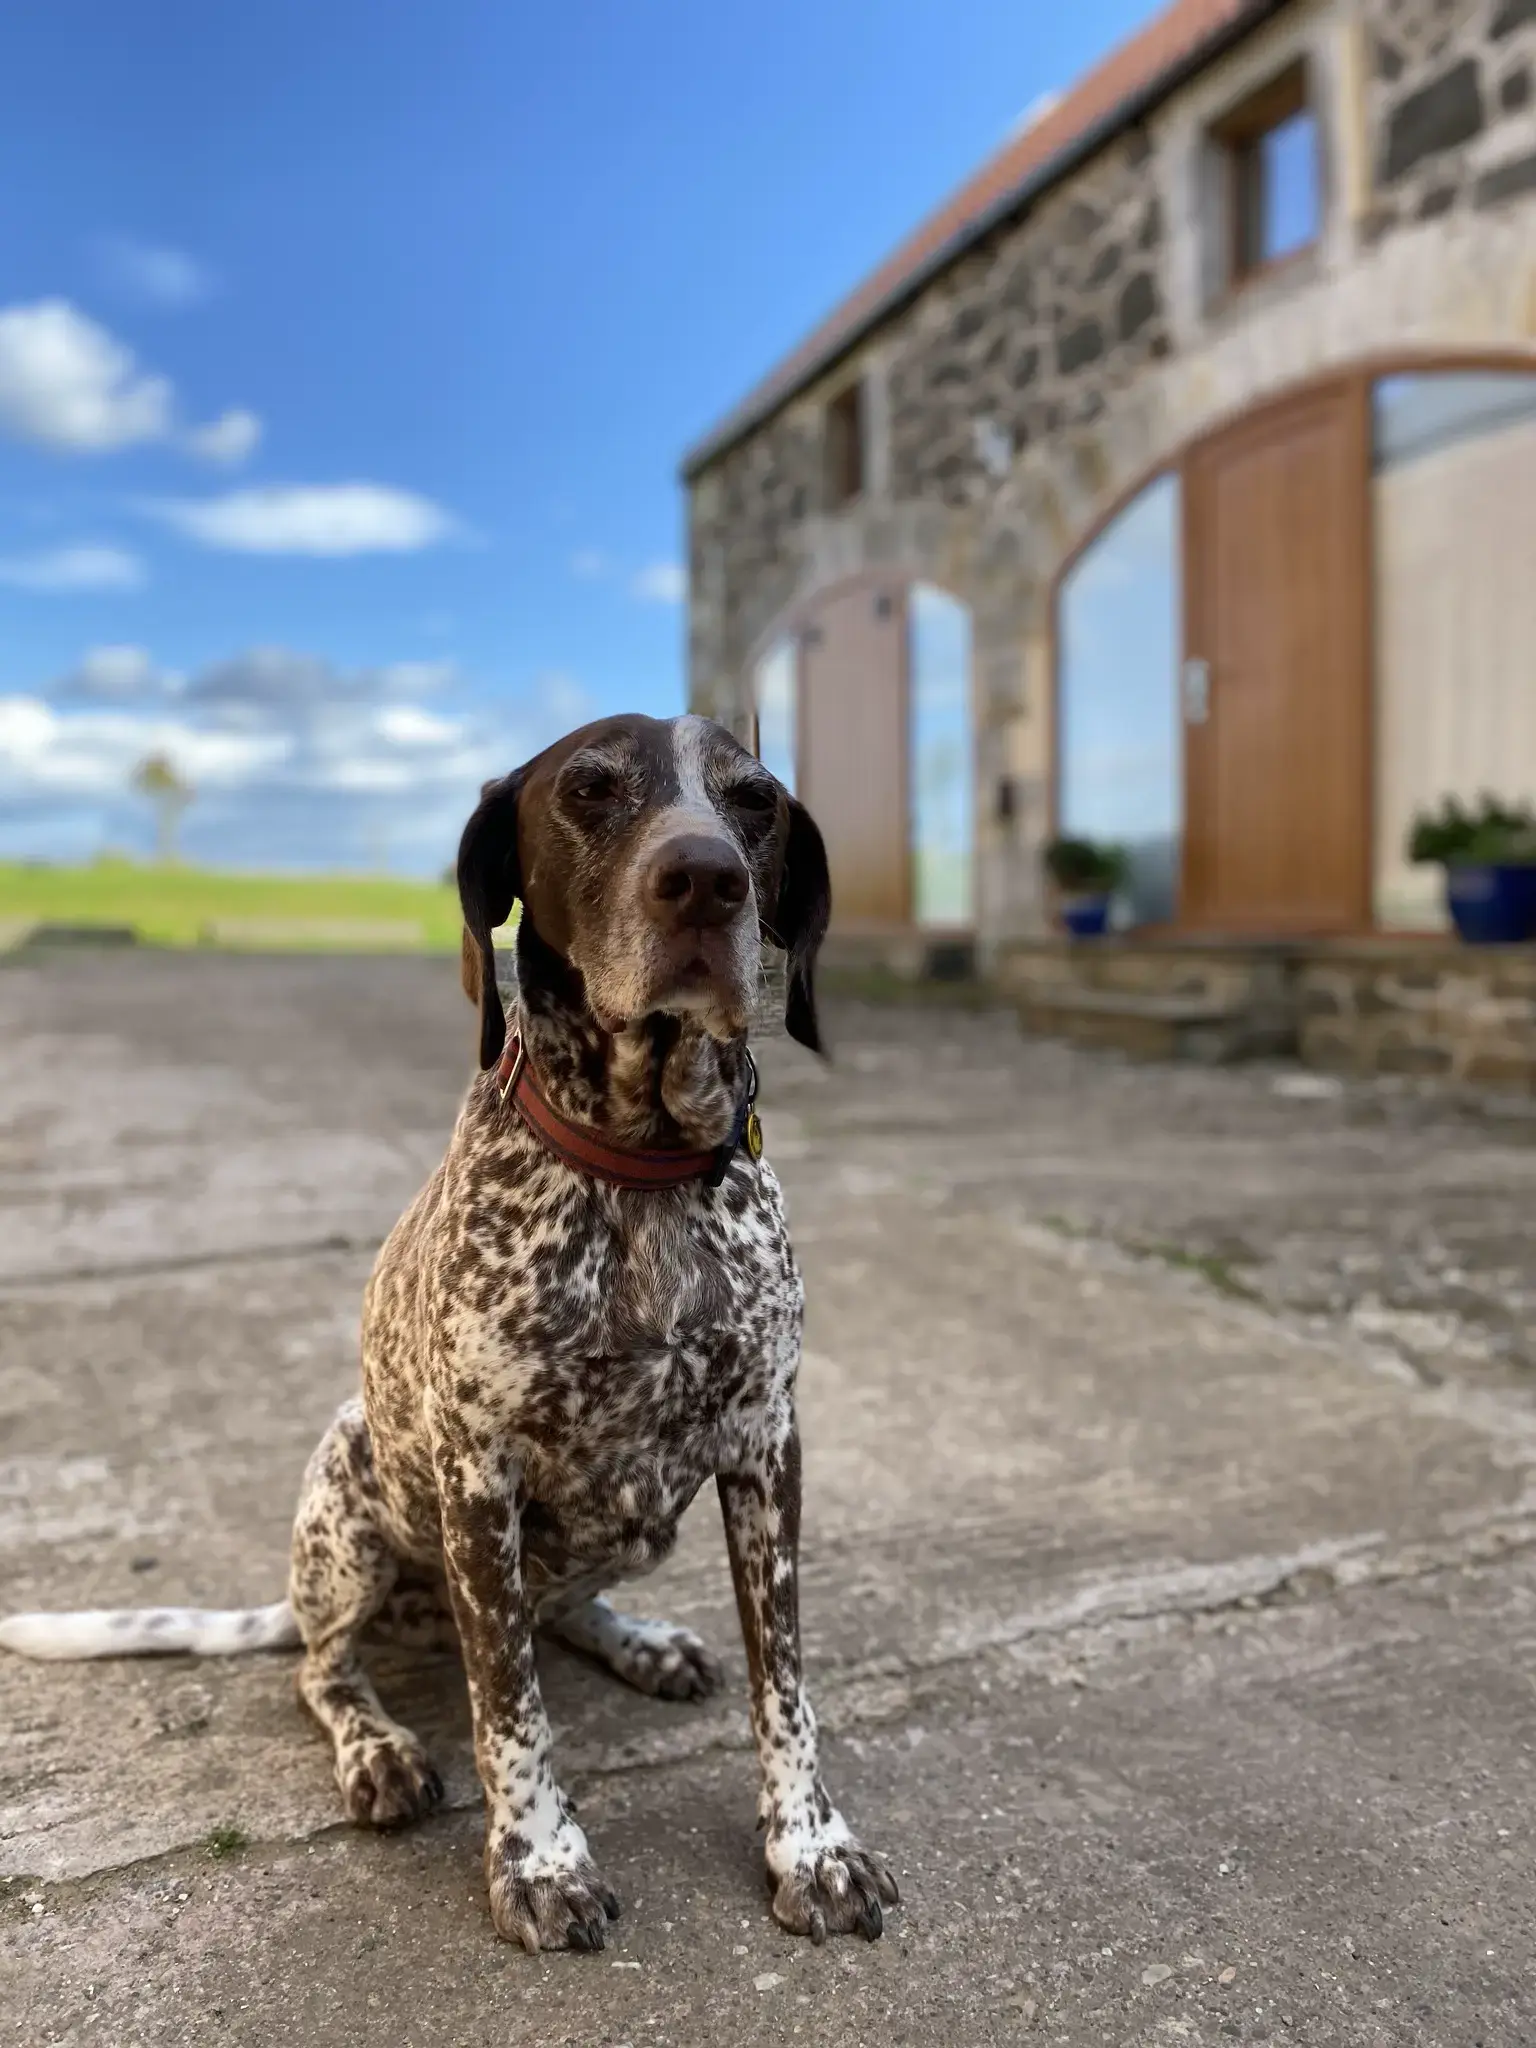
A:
651	855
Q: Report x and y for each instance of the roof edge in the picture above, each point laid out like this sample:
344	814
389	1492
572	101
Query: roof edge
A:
755	410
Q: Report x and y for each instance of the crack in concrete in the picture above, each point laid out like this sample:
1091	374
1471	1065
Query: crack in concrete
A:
190	1262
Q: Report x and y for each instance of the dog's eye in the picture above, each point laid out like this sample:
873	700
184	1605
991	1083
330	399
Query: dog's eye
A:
754	796
596	789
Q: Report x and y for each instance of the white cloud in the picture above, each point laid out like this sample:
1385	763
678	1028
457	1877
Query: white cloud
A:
69	385
265	683
407	725
116	675
66	383
155	275
310	519
410	678
85	566
292	759
661	583
88	754
589	564
564	700
228	439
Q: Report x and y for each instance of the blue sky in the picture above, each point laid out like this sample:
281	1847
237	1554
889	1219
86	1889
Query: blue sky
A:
347	353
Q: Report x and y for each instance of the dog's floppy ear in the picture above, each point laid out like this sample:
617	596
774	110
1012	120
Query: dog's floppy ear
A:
800	920
469	968
490	882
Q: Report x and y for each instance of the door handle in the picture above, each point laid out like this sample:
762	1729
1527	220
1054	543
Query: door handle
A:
1197	692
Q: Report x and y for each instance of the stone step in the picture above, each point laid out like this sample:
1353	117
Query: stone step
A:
1154	1026
904	952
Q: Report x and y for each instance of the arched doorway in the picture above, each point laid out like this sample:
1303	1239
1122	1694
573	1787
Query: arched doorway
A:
1313	624
862	707
1120	769
1213	677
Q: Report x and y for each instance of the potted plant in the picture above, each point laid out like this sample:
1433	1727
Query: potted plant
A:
1489	858
1086	872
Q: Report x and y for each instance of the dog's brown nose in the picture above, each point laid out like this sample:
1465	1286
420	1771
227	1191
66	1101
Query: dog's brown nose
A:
698	879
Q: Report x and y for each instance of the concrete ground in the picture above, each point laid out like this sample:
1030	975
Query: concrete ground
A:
1170	1576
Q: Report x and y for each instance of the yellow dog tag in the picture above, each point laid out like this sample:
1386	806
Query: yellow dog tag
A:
754	1134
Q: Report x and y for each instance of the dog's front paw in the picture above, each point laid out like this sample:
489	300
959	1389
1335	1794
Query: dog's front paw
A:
387	1782
657	1657
548	1895
828	1884
671	1662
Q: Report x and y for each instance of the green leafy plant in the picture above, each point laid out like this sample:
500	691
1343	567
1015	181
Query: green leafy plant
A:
1085	867
1494	834
223	1842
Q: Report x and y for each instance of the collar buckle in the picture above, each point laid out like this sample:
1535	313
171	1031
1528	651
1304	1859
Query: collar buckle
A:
509	1068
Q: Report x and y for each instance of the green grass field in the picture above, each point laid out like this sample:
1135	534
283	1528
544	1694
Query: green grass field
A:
185	906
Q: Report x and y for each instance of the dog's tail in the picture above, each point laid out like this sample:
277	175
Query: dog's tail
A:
151	1632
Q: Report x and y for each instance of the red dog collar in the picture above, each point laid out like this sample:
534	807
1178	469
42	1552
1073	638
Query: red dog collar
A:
585	1151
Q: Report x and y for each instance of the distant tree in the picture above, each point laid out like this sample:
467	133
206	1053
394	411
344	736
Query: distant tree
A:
156	779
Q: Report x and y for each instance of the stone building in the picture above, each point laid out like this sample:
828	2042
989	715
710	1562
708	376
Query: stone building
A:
1174	484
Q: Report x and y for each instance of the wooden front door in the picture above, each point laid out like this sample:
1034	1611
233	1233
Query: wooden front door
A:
1277	670
852	766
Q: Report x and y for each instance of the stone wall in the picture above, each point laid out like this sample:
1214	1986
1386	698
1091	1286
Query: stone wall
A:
1463	1014
1374	1006
1030	332
1021	343
747	528
1453	106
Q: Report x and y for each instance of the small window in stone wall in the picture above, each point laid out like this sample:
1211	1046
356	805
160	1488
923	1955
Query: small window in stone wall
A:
844	447
1269	146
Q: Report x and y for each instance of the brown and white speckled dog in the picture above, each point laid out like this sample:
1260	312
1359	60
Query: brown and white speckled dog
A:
553	1364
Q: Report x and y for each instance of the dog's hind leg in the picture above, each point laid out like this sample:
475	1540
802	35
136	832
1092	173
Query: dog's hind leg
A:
343	1574
653	1656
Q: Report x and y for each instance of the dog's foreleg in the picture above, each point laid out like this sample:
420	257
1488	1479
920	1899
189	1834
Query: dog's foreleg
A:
545	1890
342	1576
823	1881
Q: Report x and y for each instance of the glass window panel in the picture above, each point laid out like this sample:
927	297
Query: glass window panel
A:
775	692
1288	183
1416	415
1120	741
943	774
1454	498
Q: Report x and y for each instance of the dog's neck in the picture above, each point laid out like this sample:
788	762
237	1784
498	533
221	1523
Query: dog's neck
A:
661	1082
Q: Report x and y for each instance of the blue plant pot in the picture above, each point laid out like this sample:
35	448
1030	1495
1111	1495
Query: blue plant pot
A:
1492	906
1086	917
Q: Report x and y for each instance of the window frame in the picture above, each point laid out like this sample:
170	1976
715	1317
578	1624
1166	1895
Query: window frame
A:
845	427
1239	136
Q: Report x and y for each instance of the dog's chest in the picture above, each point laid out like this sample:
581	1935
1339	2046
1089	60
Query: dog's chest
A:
636	1364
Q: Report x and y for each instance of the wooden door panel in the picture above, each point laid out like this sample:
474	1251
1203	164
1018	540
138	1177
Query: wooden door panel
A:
1277	603
853	749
